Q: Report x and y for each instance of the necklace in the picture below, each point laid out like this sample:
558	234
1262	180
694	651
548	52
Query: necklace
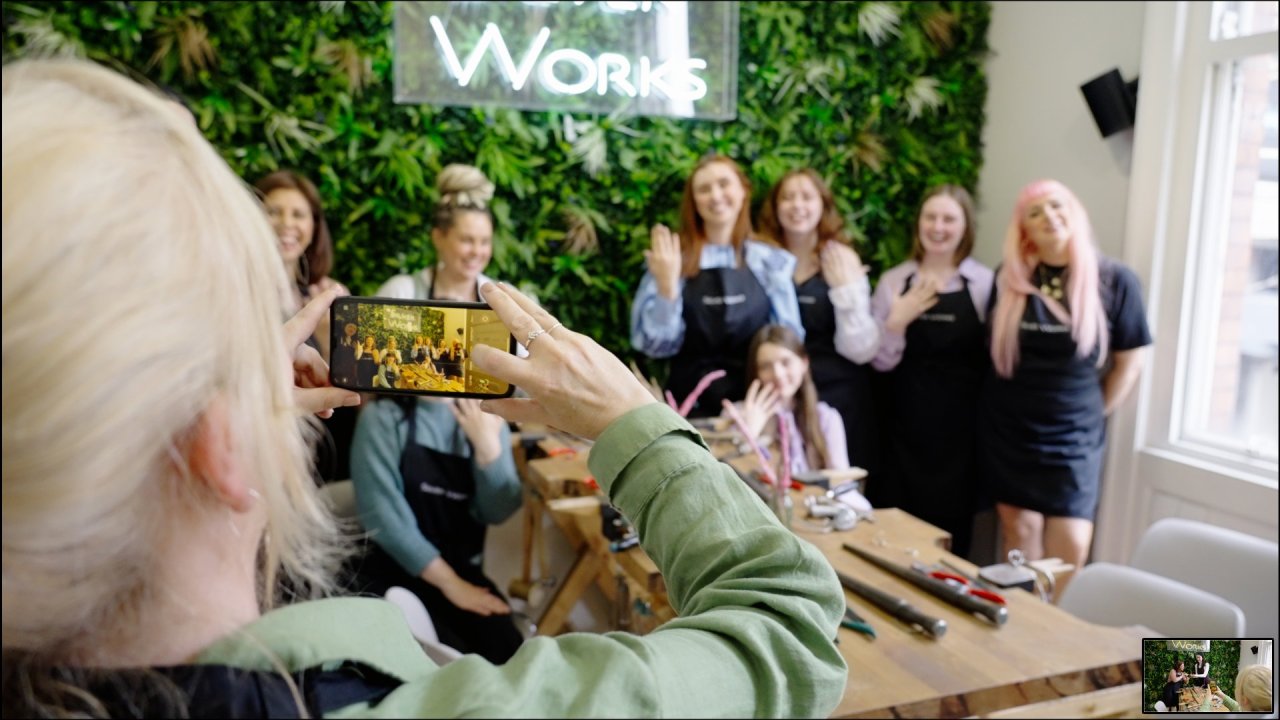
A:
1049	286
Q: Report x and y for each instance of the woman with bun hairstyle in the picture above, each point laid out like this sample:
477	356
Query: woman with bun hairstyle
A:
709	289
932	309
432	474
840	336
463	240
1067	333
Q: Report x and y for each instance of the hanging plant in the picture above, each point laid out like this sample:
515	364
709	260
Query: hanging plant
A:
878	20
190	37
922	95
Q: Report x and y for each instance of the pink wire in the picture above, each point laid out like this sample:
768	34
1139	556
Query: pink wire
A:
706	380
784	437
765	473
671	400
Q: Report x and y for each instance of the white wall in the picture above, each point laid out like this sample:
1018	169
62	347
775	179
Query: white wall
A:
1038	124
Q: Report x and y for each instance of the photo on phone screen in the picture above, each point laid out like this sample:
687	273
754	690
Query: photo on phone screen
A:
414	347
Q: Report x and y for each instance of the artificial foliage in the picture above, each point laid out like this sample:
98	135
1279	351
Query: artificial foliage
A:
1223	658
884	99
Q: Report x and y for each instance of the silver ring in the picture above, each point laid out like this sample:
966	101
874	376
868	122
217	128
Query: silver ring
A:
533	335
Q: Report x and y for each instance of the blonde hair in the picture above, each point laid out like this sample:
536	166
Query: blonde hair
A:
1086	318
463	188
1254	685
116	206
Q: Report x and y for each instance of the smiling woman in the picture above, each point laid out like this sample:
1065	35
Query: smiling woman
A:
296	214
931	309
463	239
1067	332
707	293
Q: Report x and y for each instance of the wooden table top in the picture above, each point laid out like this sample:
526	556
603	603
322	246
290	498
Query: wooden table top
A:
1191	697
1040	654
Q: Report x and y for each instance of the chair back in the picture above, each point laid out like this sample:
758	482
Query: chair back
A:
340	496
421	626
1118	596
1241	568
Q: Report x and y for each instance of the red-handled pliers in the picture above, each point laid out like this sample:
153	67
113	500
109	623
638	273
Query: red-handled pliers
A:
958	581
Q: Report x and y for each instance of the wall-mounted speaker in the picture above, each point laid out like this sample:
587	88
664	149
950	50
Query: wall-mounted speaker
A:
1112	101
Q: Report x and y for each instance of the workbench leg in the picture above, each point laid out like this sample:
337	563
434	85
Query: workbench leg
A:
584	572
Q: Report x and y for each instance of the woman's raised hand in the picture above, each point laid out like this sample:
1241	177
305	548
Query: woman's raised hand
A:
840	264
573	383
663	260
911	304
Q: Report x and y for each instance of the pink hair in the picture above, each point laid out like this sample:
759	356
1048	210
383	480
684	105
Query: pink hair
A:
1087	319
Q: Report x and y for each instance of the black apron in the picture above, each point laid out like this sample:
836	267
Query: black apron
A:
841	383
723	310
1043	430
366	369
933	414
439	488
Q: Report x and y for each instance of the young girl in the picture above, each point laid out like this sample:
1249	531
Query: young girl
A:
778	381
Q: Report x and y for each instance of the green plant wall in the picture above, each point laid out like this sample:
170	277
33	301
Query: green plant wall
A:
884	99
1223	658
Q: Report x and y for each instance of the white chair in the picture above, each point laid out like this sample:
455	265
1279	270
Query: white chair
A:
1160	706
340	496
421	626
1241	568
1117	596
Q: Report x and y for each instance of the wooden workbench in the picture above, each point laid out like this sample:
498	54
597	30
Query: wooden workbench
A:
1041	657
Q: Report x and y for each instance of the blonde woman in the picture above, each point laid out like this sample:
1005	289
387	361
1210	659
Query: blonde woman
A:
463	238
149	519
1253	687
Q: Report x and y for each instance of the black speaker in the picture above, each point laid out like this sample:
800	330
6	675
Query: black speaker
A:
1112	102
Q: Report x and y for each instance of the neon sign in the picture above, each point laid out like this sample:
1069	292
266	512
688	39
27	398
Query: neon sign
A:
1200	646
649	58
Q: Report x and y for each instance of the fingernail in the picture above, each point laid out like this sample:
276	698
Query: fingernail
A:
351	401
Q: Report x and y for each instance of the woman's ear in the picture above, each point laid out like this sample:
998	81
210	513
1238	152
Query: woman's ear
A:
215	459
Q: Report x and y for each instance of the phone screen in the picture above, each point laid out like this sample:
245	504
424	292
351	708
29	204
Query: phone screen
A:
414	347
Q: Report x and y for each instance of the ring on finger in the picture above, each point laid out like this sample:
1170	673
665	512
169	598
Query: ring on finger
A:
533	335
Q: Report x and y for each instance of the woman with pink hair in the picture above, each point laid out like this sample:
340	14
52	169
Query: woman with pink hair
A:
1067	330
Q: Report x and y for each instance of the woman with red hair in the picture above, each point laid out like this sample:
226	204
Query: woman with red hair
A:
1067	330
709	289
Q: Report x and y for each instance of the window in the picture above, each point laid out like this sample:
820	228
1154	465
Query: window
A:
1231	374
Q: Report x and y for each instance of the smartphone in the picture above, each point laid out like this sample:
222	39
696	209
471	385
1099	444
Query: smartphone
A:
414	347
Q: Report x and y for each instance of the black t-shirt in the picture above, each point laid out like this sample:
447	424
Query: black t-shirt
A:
1122	302
1121	294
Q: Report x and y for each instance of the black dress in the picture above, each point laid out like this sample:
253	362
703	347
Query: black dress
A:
1171	692
841	383
1042	432
933	474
